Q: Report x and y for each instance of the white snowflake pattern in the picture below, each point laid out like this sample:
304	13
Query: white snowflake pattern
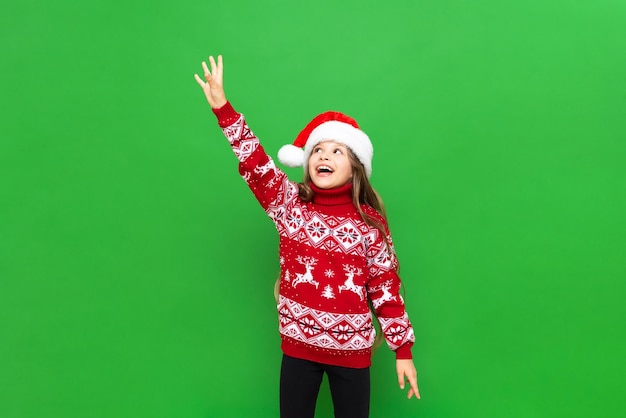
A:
396	334
282	260
309	326
342	332
329	273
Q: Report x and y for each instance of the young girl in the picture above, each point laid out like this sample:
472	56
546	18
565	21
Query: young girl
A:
336	257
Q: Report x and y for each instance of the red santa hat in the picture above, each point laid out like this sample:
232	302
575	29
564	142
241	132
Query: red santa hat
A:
329	126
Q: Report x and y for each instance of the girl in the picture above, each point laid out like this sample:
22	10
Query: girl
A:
336	257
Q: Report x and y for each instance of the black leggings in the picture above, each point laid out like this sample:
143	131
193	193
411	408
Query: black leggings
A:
300	382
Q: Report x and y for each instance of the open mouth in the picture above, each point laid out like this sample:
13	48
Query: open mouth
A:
324	169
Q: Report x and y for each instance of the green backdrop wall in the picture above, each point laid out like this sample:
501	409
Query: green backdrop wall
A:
136	269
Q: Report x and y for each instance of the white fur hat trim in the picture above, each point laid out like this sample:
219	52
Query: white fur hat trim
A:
291	156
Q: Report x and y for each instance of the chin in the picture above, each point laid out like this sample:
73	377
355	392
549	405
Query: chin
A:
323	184
327	184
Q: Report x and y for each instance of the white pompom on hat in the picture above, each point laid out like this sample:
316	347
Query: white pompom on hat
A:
329	126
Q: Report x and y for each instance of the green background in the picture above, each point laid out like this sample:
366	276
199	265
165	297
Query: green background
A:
136	269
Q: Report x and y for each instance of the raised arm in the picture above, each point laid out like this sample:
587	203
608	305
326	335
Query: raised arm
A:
269	184
213	84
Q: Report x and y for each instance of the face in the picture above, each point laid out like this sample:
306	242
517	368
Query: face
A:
329	165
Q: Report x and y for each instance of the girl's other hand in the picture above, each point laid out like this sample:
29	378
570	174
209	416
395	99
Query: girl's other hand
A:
213	86
406	371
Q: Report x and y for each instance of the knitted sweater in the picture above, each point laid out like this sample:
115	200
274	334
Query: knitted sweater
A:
332	263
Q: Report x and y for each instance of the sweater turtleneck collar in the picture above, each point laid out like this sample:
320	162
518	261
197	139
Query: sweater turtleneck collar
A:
338	196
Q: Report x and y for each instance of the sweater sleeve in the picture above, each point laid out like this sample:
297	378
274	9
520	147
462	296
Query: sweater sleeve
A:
384	292
270	185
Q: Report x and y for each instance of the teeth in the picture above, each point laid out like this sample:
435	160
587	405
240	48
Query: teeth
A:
324	167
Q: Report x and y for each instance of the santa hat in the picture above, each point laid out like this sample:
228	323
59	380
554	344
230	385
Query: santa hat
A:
329	126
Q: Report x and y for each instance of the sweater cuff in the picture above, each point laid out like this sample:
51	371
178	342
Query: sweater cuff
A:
404	352
226	115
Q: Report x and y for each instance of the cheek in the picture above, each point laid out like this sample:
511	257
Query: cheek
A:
347	167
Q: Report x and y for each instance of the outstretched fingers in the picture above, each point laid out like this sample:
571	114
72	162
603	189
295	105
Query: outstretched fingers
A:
213	65
208	81
212	84
207	76
220	67
217	69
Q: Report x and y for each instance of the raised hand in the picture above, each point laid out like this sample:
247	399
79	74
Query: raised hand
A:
406	371
213	84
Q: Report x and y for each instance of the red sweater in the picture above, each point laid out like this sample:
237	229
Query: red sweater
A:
331	262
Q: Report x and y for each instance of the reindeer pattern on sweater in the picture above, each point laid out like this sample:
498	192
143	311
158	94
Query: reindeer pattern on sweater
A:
332	263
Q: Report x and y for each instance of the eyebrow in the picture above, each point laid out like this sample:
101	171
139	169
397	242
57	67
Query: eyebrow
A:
331	144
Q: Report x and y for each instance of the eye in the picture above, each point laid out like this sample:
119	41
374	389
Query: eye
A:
338	151
317	149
